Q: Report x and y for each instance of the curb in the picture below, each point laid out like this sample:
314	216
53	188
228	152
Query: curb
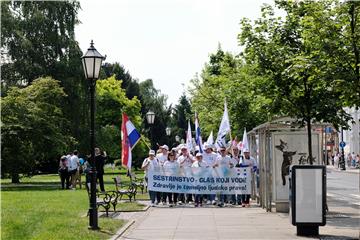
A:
141	210
122	230
344	171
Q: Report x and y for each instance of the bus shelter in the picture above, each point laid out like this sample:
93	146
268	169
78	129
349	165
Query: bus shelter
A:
277	145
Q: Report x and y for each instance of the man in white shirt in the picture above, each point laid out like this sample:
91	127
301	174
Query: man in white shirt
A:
163	155
150	163
73	169
186	159
210	158
223	161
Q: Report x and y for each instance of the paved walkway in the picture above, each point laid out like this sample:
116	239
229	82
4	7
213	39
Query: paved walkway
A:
222	223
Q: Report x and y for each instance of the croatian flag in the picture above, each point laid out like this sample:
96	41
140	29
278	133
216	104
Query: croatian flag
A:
198	139
130	137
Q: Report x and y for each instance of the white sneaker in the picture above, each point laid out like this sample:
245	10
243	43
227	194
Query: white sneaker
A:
208	202
213	202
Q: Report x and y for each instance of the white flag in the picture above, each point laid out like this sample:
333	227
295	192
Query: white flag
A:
224	128
245	143
189	144
210	139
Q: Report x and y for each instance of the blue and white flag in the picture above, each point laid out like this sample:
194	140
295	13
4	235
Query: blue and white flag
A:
198	138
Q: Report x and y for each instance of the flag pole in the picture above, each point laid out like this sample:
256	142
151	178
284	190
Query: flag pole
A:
142	139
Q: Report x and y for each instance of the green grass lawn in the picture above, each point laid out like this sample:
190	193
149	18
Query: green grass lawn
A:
38	209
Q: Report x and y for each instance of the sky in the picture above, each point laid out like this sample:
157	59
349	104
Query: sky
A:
168	41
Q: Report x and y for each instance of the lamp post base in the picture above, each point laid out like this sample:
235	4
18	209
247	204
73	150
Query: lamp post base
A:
93	220
307	230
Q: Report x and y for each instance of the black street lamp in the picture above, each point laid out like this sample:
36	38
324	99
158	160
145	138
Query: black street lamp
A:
150	117
91	61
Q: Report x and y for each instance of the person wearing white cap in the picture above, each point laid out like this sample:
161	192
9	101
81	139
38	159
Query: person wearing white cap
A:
210	158
150	163
223	161
163	156
185	161
171	167
236	159
248	161
199	163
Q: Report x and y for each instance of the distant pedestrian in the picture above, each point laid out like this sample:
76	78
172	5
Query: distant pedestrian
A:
63	172
100	158
73	169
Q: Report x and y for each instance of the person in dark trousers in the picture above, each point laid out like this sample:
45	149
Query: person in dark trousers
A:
63	172
99	164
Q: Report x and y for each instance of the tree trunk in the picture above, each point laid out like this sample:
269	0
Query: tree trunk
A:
15	178
308	121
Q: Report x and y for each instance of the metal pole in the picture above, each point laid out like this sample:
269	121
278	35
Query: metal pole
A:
93	215
342	151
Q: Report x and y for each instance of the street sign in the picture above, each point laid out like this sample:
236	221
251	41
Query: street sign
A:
342	144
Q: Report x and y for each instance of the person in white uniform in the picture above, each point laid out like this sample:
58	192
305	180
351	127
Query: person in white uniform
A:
209	157
248	161
150	163
223	161
162	157
199	163
171	166
185	160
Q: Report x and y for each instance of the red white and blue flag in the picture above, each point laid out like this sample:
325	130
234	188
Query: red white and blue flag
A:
198	138
130	137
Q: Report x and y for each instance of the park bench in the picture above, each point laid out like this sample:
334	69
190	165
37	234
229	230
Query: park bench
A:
124	189
138	182
104	199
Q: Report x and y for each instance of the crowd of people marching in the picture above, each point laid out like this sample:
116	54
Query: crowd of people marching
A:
182	158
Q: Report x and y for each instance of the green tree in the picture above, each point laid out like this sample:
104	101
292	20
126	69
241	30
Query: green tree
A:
38	38
295	75
153	99
111	102
33	127
128	83
226	77
181	114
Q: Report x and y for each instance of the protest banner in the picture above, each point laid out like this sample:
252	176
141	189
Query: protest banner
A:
200	180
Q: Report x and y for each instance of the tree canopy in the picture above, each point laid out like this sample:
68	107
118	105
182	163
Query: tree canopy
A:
33	126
